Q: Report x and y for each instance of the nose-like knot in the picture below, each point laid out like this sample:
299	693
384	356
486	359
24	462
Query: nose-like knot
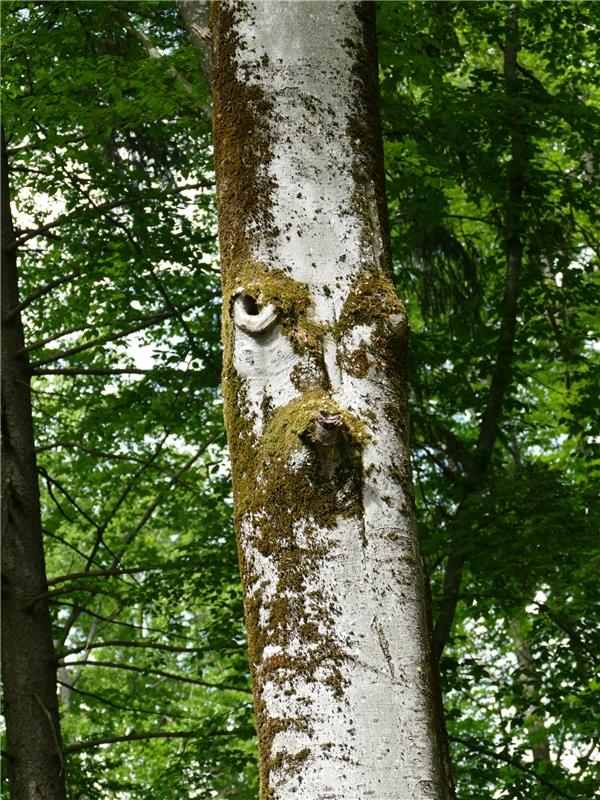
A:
330	419
328	427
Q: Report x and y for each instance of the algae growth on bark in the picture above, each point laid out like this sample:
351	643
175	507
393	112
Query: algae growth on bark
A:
315	405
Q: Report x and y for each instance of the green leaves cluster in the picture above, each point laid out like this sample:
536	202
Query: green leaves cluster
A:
520	658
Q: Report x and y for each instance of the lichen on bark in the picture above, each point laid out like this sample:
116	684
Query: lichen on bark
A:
282	476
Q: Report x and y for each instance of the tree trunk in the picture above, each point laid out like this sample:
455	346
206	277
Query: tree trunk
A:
35	767
502	374
534	715
315	404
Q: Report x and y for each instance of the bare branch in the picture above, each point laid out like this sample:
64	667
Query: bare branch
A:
44	290
133	737
79	587
101	529
114	621
63	491
63	541
158	500
148	322
159	672
60	220
98	371
131	709
106	573
129	643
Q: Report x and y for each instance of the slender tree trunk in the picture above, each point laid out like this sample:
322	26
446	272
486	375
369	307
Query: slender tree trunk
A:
502	374
35	766
315	404
534	715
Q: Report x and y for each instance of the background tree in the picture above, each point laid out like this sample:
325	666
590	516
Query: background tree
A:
92	118
28	670
120	301
488	136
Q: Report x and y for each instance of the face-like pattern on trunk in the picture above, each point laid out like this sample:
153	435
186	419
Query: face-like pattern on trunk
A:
314	384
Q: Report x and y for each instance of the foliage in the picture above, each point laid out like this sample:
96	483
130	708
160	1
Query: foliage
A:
111	176
111	171
525	534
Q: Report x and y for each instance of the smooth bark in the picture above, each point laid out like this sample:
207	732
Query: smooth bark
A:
315	404
35	766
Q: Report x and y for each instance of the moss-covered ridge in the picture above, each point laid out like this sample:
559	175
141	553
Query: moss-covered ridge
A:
282	472
291	298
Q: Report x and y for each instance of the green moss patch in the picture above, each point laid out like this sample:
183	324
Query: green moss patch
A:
291	298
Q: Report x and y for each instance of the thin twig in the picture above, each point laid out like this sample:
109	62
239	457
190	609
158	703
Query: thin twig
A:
513	762
136	737
161	673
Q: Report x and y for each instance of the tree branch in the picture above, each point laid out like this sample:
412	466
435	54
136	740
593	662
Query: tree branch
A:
44	290
79	587
502	374
450	598
42	229
513	762
109	337
149	47
103	573
156	316
159	672
136	737
63	541
166	297
50	480
102	529
158	500
120	623
131	709
74	371
129	643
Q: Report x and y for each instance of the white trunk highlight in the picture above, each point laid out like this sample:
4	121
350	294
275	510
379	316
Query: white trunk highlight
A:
342	677
311	150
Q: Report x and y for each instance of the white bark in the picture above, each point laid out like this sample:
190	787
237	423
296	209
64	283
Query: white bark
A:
335	600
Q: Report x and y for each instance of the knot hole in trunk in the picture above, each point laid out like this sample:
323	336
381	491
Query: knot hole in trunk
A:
250	316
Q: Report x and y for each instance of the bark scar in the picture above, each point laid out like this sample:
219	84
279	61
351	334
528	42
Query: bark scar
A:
55	735
385	646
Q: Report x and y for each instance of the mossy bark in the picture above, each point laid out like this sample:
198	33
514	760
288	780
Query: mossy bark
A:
315	402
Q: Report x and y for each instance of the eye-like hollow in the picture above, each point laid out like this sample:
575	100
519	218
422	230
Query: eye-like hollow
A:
249	316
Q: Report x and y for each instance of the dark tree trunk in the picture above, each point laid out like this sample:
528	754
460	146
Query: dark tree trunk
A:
35	767
502	374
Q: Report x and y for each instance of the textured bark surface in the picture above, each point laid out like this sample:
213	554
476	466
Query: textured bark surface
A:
34	760
315	404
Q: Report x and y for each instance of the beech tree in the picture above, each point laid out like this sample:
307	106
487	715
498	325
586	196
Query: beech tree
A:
490	119
315	407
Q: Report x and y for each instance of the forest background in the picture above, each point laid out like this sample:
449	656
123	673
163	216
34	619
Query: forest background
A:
106	117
